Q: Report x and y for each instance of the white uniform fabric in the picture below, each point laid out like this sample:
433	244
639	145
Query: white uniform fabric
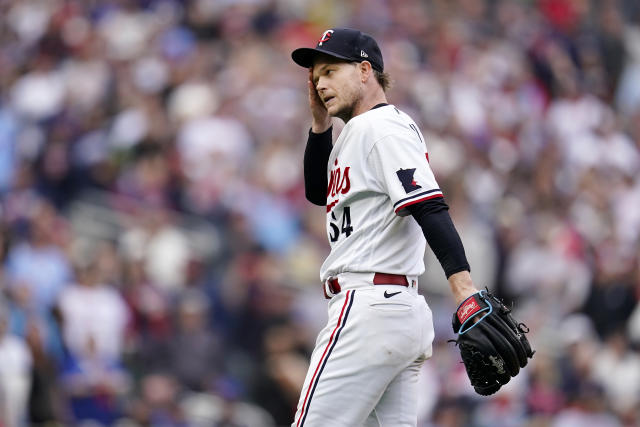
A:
378	166
365	365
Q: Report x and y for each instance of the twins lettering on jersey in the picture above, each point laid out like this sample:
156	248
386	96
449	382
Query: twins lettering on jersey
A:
339	183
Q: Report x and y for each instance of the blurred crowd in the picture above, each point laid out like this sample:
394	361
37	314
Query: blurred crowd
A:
159	262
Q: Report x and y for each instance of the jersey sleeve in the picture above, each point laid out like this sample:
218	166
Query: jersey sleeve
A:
401	167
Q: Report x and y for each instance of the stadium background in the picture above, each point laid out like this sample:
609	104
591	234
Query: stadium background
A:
158	261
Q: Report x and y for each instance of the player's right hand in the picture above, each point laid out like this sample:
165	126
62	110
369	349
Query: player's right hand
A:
321	121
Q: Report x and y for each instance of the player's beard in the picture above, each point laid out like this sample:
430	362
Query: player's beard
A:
346	113
351	100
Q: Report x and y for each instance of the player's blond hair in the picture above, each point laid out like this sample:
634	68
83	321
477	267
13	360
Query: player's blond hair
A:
384	79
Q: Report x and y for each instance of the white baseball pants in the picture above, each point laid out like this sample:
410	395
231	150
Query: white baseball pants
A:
365	365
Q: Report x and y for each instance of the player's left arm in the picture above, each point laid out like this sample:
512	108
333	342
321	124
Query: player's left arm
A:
493	345
406	175
433	217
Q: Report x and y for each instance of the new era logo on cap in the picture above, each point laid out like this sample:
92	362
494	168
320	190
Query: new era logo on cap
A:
342	43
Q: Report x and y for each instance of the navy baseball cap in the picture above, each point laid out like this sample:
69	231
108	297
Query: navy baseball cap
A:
343	43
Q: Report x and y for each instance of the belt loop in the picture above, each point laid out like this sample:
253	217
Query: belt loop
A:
331	288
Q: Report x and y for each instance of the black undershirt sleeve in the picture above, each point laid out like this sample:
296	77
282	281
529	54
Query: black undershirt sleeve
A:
316	157
441	234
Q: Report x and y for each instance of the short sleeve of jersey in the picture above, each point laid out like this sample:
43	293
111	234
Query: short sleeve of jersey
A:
401	168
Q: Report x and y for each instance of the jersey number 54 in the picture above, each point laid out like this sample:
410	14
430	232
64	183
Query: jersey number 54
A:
346	228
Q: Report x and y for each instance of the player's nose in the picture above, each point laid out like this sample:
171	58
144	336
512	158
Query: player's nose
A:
321	85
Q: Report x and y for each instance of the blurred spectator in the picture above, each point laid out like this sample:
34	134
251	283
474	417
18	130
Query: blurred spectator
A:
211	150
159	404
617	368
277	386
612	295
197	368
39	95
46	403
545	396
148	305
587	408
93	320
162	247
38	268
15	375
93	311
94	384
148	178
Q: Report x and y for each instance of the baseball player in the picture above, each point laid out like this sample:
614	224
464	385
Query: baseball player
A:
382	201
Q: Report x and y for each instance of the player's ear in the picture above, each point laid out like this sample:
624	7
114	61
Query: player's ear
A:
365	70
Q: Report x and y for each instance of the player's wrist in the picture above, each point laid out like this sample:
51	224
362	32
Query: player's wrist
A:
321	126
462	286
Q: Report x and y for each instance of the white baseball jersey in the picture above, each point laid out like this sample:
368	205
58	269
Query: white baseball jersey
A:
378	166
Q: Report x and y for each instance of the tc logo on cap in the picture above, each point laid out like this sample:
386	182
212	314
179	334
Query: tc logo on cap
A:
325	36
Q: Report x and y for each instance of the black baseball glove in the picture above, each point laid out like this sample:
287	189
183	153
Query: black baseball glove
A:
492	343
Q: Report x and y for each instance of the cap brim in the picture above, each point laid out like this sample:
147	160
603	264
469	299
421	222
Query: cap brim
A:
305	56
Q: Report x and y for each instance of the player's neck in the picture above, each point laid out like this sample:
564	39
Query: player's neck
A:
368	101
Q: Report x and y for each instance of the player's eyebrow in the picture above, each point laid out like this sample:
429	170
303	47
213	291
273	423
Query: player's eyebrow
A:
319	70
316	75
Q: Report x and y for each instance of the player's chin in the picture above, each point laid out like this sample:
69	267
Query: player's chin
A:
332	108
